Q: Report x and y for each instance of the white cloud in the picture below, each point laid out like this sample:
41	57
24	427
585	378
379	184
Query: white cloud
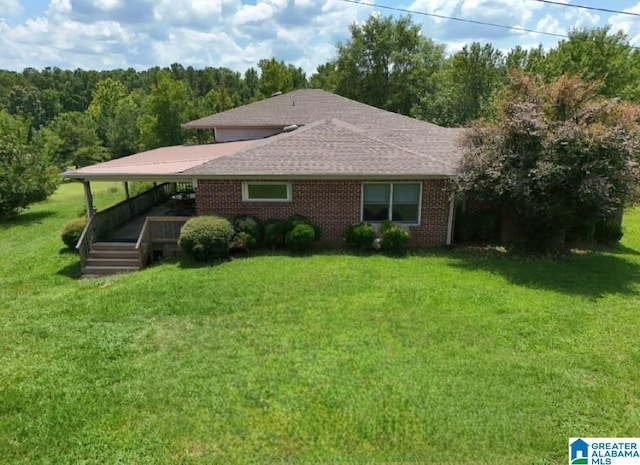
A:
10	8
253	13
627	24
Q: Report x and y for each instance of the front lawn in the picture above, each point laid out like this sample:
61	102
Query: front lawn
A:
461	357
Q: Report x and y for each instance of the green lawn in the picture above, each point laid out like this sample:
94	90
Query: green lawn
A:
441	357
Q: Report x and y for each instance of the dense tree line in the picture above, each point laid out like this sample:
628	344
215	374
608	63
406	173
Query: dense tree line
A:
80	117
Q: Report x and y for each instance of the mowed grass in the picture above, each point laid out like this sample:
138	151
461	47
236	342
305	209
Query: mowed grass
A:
447	357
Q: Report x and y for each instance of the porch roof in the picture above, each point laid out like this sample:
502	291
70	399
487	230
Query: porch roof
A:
161	163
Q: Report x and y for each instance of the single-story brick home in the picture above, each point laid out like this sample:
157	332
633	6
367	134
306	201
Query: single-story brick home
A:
310	152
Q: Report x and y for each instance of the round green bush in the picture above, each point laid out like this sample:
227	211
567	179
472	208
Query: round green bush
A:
394	239
295	220
300	237
206	238
72	230
360	235
274	232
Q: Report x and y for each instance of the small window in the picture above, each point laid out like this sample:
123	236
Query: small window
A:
399	202
266	192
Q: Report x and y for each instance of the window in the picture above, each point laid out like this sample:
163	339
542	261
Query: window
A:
398	201
266	192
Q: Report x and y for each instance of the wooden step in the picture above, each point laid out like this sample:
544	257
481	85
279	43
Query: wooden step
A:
113	246
113	254
117	262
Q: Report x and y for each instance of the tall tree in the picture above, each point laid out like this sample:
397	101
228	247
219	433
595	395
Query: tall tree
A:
79	142
275	76
105	99
598	55
464	86
164	110
325	77
557	156
387	63
26	174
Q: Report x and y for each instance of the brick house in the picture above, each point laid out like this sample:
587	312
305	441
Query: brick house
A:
310	152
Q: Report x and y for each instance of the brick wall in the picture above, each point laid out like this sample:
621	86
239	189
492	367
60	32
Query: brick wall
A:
334	205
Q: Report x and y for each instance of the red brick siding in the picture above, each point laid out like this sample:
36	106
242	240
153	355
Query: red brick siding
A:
334	205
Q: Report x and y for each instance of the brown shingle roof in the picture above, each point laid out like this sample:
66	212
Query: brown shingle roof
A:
303	106
335	148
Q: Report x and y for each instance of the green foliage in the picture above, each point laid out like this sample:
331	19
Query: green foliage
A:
387	63
301	237
608	232
206	238
297	219
165	109
72	230
26	174
556	155
249	224
78	141
248	231
274	232
360	235
276	76
393	238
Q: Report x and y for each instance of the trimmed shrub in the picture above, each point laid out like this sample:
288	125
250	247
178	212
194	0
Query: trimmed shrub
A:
295	220
393	238
360	235
206	238
243	241
249	224
385	226
72	230
275	231
300	237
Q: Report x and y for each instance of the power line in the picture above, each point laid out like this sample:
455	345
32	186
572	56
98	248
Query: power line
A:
453	18
472	21
589	8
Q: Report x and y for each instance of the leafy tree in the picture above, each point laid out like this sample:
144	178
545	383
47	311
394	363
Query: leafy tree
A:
598	55
106	97
275	76
25	102
249	89
80	145
556	156
26	175
164	110
123	135
387	63
464	86
325	77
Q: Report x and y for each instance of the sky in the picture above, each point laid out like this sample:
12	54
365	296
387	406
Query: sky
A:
109	34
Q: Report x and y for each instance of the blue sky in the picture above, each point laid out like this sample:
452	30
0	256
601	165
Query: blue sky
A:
107	34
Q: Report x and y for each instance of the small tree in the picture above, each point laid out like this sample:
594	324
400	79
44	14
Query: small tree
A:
26	175
554	156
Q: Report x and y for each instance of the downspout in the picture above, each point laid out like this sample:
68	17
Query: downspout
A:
88	197
452	209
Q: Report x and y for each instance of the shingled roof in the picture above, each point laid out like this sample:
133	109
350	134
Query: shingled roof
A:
336	137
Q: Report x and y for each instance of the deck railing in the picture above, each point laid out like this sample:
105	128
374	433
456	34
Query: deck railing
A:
157	231
104	222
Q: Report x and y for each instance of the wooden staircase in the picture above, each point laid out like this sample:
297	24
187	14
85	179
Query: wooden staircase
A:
108	258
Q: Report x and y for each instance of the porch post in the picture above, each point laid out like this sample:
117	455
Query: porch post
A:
88	197
128	198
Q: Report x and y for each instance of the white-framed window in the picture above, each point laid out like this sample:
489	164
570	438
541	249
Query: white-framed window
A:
266	192
396	201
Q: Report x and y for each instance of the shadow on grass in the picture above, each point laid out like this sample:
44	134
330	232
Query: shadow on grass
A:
72	271
25	219
591	274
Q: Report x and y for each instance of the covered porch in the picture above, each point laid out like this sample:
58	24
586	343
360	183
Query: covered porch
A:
128	235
